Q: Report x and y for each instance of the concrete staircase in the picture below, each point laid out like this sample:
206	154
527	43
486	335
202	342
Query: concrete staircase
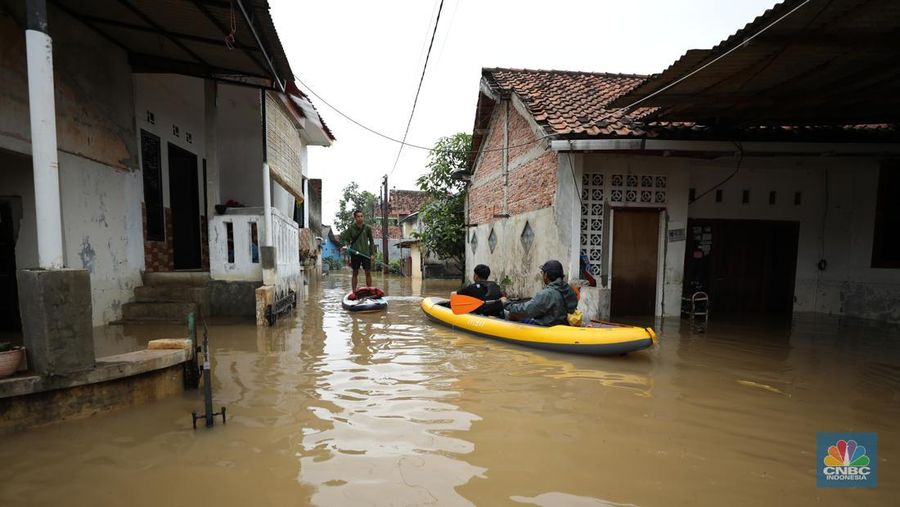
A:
168	297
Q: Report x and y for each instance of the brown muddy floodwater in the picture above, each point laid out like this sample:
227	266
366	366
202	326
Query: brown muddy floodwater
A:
329	408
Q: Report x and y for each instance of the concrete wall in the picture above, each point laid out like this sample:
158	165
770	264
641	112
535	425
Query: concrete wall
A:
836	216
240	145
314	201
99	181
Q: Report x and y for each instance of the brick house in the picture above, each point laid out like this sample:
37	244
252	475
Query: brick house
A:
781	207
401	204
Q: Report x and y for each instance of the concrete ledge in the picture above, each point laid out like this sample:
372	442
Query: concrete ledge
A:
107	369
118	381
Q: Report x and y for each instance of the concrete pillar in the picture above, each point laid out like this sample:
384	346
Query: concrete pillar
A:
415	255
42	109
213	179
56	319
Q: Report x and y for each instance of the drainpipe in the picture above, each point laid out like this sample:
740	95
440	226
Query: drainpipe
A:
210	118
42	109
267	179
506	160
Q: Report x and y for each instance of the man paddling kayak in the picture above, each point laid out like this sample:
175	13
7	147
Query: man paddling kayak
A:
359	241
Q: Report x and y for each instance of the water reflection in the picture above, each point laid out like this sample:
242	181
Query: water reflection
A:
330	408
386	409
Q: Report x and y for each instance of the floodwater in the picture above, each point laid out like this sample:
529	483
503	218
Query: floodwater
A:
329	408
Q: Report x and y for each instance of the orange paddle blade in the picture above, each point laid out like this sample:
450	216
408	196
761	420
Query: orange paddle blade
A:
461	304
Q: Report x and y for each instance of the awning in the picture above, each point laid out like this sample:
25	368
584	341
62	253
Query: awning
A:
828	62
230	40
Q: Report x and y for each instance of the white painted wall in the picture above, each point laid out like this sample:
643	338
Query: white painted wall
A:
845	214
240	145
174	101
103	231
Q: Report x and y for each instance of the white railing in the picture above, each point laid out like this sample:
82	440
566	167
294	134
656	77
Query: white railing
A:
286	238
234	248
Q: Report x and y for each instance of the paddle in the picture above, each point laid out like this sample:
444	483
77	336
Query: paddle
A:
462	304
356	252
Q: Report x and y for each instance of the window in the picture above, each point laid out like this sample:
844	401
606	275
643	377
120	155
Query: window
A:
745	197
772	198
719	195
886	241
151	168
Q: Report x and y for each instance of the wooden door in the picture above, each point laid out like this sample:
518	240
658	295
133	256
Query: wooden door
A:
635	249
184	197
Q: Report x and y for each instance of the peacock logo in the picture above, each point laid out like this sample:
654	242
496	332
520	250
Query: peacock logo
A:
846	453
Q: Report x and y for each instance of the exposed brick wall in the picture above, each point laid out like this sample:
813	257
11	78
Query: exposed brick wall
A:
394	232
532	183
521	137
159	256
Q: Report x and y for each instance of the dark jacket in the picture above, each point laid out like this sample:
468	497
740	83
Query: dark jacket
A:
550	306
485	290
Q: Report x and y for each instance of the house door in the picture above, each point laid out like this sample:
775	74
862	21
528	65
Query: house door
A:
9	293
745	266
185	203
634	261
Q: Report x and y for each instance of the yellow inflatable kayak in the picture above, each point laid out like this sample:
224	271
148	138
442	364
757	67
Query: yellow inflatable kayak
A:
598	339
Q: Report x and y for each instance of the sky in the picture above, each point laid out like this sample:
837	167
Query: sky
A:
365	58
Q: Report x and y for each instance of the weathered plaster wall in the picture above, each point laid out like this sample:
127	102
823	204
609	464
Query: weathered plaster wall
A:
510	259
99	130
102	231
99	182
240	145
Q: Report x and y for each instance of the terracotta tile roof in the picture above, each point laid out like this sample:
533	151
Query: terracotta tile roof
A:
572	103
575	105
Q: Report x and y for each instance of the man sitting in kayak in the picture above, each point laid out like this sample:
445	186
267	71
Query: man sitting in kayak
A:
359	240
485	290
551	305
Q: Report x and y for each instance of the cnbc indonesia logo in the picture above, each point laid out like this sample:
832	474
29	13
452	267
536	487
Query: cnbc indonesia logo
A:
846	462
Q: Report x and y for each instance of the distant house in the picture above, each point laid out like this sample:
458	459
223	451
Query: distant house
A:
769	191
331	248
401	204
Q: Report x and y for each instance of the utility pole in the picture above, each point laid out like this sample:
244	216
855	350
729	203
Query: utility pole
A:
384	226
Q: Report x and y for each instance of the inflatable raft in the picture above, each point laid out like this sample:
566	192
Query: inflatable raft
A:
598	339
365	299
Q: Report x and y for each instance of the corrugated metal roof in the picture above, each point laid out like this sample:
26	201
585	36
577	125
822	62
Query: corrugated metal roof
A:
829	62
189	36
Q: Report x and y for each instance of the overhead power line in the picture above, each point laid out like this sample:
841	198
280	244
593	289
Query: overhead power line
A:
419	88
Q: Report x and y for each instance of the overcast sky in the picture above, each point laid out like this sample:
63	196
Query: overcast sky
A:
365	58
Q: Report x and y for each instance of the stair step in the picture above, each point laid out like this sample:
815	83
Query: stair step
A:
178	279
158	311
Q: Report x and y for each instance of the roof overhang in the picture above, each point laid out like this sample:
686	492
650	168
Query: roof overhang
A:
812	62
227	40
721	148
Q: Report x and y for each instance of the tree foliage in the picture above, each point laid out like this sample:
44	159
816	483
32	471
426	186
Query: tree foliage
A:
443	215
352	199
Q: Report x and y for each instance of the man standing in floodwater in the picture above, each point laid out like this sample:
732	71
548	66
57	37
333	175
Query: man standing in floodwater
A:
358	240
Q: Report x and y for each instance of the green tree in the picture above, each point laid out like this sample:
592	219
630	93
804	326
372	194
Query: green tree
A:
443	214
353	199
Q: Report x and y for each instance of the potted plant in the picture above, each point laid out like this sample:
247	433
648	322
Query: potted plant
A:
10	358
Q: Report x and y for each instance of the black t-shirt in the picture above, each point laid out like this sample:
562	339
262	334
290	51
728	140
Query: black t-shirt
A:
485	291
